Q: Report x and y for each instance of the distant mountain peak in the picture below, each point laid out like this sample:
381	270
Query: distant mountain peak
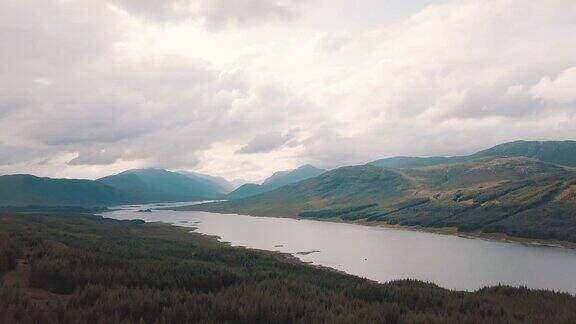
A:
221	184
145	170
301	173
159	185
277	180
308	167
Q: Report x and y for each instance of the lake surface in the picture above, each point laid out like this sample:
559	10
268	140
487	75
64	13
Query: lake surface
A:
384	254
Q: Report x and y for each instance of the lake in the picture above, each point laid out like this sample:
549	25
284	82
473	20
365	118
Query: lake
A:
383	254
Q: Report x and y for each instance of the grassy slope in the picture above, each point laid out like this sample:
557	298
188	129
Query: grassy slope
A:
339	188
93	270
517	196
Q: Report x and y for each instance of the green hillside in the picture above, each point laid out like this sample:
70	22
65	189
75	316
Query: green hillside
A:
513	195
245	191
407	162
556	152
26	190
130	187
277	180
342	187
156	185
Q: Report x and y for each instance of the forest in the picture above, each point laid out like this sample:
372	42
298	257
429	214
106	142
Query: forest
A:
88	269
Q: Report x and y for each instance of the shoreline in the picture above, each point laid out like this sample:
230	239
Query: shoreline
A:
294	258
493	237
284	256
453	231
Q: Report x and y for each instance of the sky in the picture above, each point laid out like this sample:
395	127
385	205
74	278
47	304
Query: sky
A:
243	88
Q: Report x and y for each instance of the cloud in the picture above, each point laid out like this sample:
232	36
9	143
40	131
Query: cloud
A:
216	15
65	32
104	109
158	10
91	90
265	143
95	156
10	154
561	89
334	41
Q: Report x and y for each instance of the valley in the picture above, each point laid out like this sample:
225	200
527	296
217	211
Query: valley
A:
514	207
287	161
509	194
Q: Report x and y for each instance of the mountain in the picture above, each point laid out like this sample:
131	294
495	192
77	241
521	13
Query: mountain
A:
556	152
283	178
515	195
218	184
237	183
246	190
157	185
525	189
26	190
130	187
341	187
277	180
368	184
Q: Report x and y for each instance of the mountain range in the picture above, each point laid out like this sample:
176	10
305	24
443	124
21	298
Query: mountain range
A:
219	184
525	189
27	190
129	187
137	186
158	185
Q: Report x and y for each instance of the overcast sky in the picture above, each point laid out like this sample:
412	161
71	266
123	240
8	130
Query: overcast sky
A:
242	88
